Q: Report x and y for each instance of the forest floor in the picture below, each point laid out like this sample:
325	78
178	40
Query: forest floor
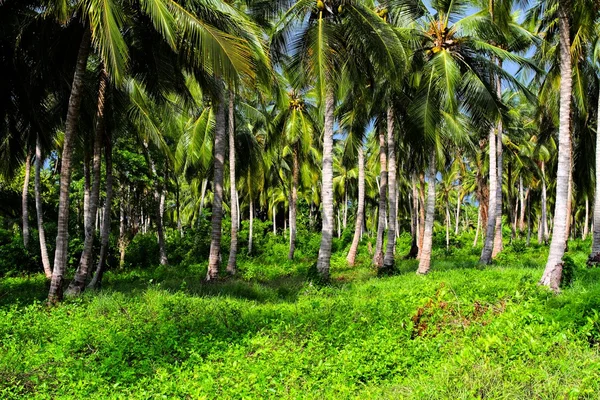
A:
461	332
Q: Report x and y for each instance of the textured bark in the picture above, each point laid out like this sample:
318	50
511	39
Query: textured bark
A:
388	261
596	216
383	182
345	207
488	245
293	201
421	213
96	281
202	196
327	188
160	194
553	271
81	275
478	227
522	193
458	204
498	215
25	200
425	258
251	228
360	210
217	207
586	221
232	262
544	225
447	221
122	231
60	256
39	211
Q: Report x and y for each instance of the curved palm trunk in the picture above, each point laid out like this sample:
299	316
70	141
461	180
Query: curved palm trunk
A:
388	261
327	188
60	256
381	225
360	210
217	207
78	284
488	246
595	254
24	200
39	211
553	271
425	259
231	263
293	201
105	231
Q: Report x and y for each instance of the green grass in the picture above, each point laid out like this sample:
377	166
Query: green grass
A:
462	332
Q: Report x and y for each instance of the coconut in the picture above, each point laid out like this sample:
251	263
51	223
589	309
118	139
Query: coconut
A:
320	5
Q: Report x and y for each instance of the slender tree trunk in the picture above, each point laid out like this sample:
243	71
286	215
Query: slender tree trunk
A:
569	201
522	193
425	259
388	261
360	210
122	231
422	207
232	262
528	206
447	227
217	208
378	258
595	254
274	220
478	227
488	246
105	230
39	211
553	272
25	201
540	231
339	224
345	208
544	206
498	215
251	228
457	219
60	256
327	188
293	201
178	209
202	196
587	220
81	275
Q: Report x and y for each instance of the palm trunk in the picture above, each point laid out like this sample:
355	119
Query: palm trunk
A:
274	220
25	201
122	231
595	254
553	271
488	246
360	210
60	256
421	212
39	212
447	226
586	220
202	196
251	228
498	215
425	258
217	208
293	202
378	257
522	193
232	262
544	225
569	202
105	230
159	203
81	275
388	261
540	231
478	227
345	207
327	188
87	189
457	217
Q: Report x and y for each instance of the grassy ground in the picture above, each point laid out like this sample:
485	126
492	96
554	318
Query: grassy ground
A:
461	332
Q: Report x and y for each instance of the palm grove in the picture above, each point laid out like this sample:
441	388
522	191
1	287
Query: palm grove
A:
221	122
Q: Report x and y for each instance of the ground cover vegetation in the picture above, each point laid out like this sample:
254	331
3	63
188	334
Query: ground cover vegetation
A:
299	198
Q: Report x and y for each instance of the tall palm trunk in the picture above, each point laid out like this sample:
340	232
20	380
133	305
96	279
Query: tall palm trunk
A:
105	230
360	210
159	195
478	227
595	254
522	195
553	271
60	256
457	216
217	207
586	222
425	258
202	195
293	201
251	228
544	225
498	215
232	262
327	188
422	207
488	246
39	211
383	182
388	261
447	226
122	230
78	284
25	201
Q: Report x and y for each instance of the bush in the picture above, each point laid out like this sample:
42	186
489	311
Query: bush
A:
14	258
142	252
